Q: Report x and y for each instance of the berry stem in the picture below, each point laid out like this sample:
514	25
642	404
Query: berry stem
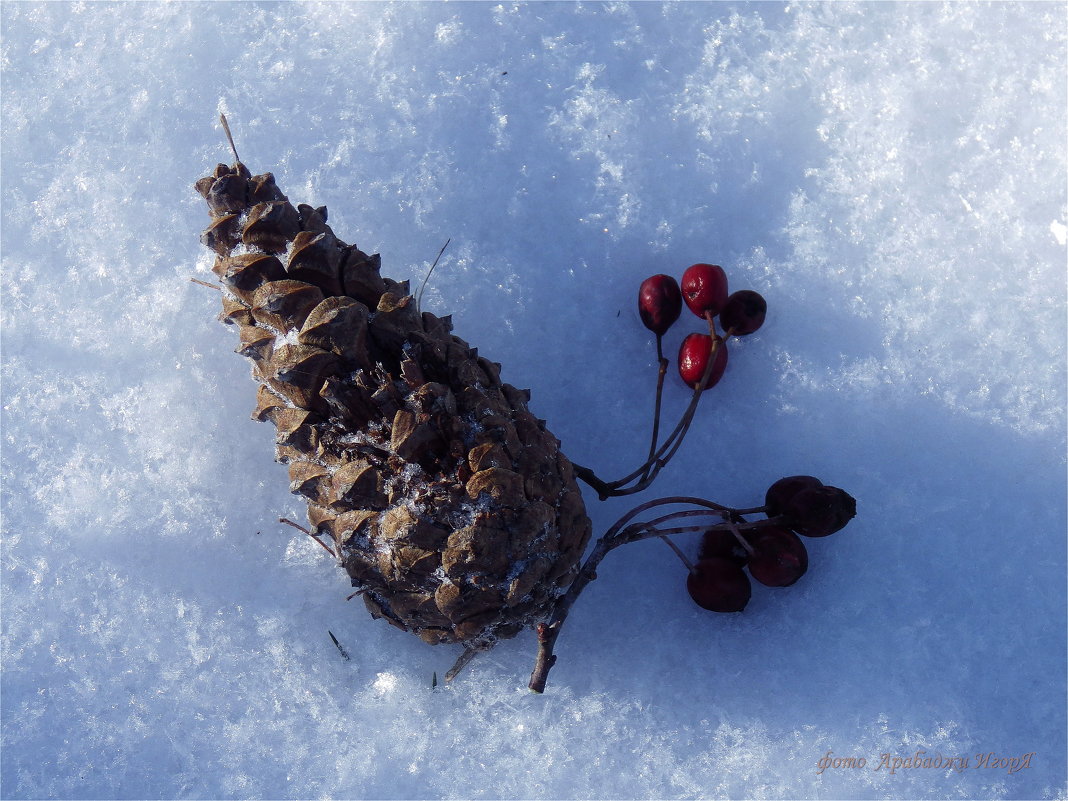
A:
723	513
678	553
680	499
738	536
753	511
662	371
655	463
754	526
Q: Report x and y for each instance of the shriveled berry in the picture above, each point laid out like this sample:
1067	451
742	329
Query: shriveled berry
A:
779	557
693	358
719	585
704	288
722	544
743	312
659	303
820	511
780	493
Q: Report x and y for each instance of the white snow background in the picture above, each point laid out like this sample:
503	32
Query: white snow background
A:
891	177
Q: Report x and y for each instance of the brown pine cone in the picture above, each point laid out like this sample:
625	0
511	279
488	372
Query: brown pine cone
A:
447	502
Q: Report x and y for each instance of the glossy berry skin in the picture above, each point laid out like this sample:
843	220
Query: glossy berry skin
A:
693	358
743	313
779	557
659	303
719	585
704	288
722	544
820	511
780	493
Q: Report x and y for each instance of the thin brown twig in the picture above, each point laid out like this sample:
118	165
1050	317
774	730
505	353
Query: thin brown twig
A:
297	526
205	283
419	295
229	137
460	663
322	544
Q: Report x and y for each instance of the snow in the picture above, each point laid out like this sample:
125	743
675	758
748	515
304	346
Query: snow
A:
890	176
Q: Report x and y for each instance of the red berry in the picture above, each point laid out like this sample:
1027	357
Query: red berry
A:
693	358
704	288
659	303
722	544
779	557
719	585
780	493
743	313
820	511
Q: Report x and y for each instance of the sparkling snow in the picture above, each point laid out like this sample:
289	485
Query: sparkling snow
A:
890	176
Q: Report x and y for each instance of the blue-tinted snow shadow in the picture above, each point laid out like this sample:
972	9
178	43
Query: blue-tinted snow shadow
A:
941	606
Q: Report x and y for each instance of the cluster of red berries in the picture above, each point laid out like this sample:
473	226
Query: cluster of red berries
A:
704	288
798	505
771	549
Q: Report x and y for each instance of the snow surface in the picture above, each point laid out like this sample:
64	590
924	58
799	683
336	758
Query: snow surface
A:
891	177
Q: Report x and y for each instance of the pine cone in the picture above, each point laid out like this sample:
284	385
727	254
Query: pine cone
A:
447	502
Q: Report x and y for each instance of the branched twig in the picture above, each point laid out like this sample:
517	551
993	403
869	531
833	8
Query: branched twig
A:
618	534
656	461
622	532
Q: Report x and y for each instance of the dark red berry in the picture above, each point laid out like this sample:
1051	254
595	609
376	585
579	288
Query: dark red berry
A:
780	493
704	288
779	557
693	359
719	585
820	511
722	544
659	303
743	312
